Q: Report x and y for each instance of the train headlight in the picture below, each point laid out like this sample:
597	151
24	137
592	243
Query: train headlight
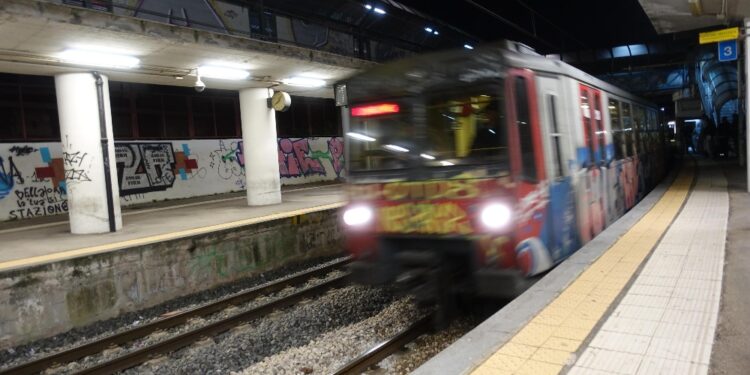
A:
357	216
495	215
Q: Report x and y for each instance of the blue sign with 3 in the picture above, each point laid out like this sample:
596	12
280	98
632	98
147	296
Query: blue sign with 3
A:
728	50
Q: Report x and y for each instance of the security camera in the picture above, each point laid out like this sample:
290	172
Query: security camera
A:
199	85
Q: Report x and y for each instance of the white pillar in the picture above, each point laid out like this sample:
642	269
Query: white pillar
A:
90	204
260	147
747	98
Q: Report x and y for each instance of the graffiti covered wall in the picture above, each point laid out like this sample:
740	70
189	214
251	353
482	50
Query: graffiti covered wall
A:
32	175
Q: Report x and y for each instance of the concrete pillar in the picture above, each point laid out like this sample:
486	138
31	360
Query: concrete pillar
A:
260	147
747	98
93	197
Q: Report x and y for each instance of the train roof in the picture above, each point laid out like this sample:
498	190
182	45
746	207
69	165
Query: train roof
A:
455	68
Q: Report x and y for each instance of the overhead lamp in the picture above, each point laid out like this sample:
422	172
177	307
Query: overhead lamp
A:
427	156
436	32
428	29
360	136
396	148
99	58
368	6
304	82
446	163
468	46
222	72
378	10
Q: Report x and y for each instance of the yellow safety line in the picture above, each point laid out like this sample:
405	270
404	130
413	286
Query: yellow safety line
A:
547	343
18	263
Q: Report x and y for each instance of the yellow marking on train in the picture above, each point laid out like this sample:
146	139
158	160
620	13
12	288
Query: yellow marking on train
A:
547	343
26	262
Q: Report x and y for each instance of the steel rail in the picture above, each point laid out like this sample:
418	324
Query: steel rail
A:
144	354
386	348
116	339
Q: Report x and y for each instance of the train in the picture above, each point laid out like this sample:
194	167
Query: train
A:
477	171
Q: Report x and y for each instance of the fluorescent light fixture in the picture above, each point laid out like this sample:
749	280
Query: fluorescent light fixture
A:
695	120
427	156
436	32
396	148
360	137
492	131
468	46
378	10
99	58
612	107
663	109
368	6
222	72
428	29
304	82
446	163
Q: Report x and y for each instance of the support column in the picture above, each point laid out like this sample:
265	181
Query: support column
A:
260	148
747	98
90	168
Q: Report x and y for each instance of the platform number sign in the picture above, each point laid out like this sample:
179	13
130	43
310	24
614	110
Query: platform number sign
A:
728	50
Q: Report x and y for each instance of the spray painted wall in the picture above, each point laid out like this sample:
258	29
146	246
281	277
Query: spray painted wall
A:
33	178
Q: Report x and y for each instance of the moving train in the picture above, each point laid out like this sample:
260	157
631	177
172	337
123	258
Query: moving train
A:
475	171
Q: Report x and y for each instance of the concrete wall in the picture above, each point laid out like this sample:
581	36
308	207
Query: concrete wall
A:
42	301
33	181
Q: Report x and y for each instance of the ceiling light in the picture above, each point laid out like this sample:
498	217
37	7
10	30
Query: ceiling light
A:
379	10
436	32
427	156
368	6
304	82
360	136
428	29
446	163
468	46
99	58
222	72
396	148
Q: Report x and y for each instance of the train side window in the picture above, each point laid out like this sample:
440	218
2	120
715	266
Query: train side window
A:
617	133
627	129
523	123
601	133
555	134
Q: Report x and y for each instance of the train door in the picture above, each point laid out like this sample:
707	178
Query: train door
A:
593	155
559	233
528	169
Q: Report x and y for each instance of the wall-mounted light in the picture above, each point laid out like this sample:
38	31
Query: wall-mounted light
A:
102	59
222	72
304	82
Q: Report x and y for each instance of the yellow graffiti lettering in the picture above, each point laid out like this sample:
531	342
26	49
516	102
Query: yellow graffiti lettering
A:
424	218
459	189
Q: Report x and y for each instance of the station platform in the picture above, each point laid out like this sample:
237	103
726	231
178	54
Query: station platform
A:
52	281
32	242
646	296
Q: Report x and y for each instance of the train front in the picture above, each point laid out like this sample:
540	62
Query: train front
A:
432	205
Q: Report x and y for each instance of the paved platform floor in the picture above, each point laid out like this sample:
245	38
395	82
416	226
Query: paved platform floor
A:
36	243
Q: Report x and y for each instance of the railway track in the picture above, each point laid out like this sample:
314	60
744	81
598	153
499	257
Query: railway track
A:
139	356
384	349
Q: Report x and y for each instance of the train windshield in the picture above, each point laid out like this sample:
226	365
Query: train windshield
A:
458	131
